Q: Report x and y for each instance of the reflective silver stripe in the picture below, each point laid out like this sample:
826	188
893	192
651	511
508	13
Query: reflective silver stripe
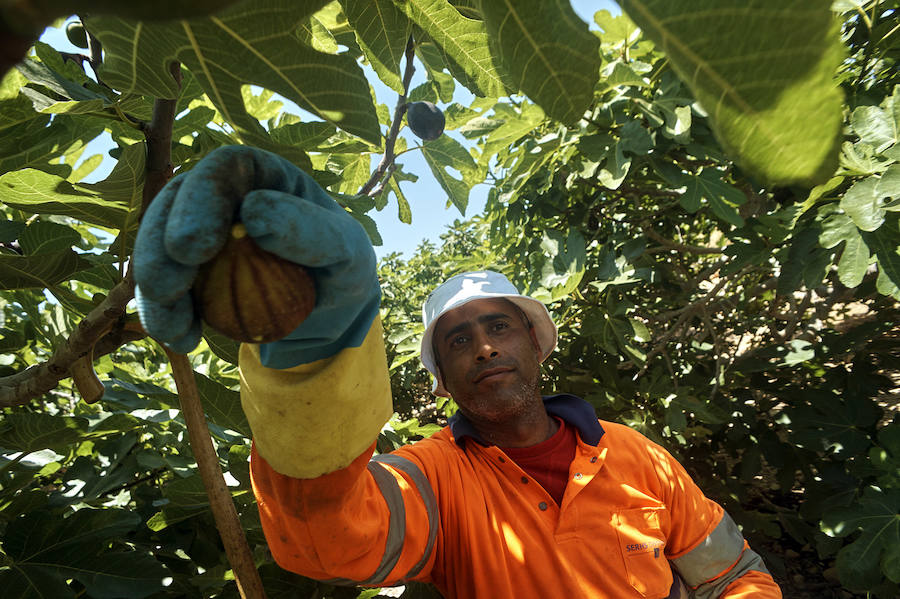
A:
390	490
428	498
750	562
393	547
716	553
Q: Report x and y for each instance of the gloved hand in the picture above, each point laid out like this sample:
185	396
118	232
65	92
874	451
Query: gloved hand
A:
287	213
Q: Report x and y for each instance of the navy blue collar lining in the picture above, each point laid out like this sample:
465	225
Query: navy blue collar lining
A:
571	409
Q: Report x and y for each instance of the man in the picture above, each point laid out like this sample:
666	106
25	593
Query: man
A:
521	496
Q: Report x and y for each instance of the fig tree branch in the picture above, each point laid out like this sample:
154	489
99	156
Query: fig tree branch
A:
681	247
686	313
225	514
385	167
95	49
22	387
159	143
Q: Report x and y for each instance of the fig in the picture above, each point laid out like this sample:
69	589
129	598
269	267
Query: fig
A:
425	120
77	35
251	295
86	380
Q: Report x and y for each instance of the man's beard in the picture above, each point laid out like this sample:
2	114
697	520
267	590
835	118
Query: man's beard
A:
519	399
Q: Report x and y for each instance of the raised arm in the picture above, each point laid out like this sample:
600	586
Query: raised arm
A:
316	399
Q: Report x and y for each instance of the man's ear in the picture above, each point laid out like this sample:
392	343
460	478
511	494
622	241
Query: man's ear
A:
440	375
534	341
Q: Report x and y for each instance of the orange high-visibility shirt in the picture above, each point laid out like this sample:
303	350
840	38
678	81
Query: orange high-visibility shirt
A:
460	514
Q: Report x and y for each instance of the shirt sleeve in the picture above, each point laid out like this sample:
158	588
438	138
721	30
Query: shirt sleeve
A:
329	509
373	523
705	545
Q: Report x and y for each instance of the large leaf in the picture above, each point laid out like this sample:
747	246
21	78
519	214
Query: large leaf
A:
723	197
44	550
222	346
125	185
829	423
14	107
32	431
877	514
306	136
136	9
854	262
885	244
513	126
44	237
381	31
838	228
465	43
547	51
37	142
186	497
43	270
564	266
864	201
42	193
806	263
763	71
879	126
113	202
253	42
353	169
222	405
77	98
446	153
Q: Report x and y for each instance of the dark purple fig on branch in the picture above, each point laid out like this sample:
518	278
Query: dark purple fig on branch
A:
425	120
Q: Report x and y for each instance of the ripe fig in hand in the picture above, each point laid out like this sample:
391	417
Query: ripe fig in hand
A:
425	120
251	295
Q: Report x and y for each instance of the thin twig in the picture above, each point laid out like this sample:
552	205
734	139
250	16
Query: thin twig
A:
387	160
225	514
671	370
681	247
793	317
95	49
717	348
686	313
387	177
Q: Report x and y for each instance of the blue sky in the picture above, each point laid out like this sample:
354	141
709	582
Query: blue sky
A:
430	216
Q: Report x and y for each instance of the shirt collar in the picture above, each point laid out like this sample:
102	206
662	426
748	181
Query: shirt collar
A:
570	408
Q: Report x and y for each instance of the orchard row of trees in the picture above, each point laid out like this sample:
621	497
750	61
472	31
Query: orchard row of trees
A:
750	327
712	219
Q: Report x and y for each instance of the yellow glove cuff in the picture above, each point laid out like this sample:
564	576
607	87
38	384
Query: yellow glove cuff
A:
317	418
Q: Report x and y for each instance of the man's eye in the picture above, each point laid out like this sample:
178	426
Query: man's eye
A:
458	340
500	325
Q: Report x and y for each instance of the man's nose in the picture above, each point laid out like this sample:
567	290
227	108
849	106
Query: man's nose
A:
485	350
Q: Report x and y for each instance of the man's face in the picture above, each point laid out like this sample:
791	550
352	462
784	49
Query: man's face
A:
489	359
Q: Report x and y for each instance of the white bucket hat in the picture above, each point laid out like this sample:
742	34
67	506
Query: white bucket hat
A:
468	286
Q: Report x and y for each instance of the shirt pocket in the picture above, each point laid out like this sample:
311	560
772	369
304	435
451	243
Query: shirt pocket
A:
642	544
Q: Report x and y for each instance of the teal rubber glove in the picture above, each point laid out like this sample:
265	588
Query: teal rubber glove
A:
287	213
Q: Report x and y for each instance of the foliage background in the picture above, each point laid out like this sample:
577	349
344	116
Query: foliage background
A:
714	229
